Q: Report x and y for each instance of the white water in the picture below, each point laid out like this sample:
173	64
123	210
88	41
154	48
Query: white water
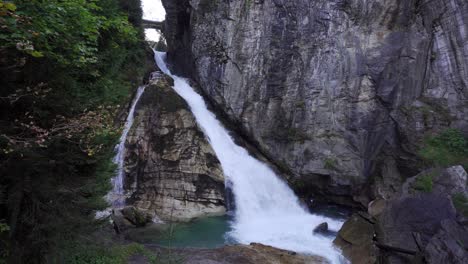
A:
267	211
117	195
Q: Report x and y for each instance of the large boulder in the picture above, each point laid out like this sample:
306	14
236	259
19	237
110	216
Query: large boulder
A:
449	181
419	223
449	245
135	216
408	223
355	238
170	166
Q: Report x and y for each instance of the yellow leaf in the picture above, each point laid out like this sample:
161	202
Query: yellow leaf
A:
37	54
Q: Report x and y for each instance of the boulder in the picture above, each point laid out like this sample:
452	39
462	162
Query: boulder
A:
321	228
376	207
408	223
355	238
135	216
448	181
120	223
172	170
449	245
451	181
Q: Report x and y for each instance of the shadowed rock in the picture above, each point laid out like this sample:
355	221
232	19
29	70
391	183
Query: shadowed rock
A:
355	238
322	228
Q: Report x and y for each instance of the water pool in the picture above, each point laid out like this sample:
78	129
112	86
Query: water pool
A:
208	232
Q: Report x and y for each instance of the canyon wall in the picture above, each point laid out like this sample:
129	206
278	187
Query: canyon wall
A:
338	93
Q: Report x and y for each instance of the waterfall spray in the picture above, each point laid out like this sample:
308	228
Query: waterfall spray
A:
266	209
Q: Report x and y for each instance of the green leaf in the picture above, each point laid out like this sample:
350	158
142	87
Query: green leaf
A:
10	6
37	54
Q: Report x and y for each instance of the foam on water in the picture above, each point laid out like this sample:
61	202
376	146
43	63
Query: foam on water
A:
267	210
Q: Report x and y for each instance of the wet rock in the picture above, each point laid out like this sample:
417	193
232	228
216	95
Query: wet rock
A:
321	228
355	238
170	167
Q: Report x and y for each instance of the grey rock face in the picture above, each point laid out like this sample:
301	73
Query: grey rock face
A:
340	92
450	181
416	224
449	245
170	165
421	214
425	224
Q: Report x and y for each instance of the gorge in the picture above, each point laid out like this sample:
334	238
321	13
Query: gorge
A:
234	131
341	118
338	93
266	210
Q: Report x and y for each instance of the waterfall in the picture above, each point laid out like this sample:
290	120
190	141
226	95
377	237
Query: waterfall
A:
266	209
117	195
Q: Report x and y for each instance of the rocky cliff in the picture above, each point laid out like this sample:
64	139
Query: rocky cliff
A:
170	166
419	225
338	93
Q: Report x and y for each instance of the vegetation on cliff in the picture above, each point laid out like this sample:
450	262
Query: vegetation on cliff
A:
66	67
448	148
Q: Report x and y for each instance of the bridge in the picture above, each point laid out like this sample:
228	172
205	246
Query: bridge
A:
158	25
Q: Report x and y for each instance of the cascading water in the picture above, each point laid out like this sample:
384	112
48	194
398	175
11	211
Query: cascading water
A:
117	195
267	211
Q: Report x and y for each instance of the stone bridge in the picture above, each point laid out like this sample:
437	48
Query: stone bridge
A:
158	25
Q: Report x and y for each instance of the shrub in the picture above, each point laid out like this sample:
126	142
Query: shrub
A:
460	201
424	183
97	254
330	164
448	148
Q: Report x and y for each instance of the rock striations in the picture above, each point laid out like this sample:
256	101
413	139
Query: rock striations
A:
337	93
170	166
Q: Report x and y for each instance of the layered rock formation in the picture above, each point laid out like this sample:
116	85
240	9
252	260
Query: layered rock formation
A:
169	164
338	93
